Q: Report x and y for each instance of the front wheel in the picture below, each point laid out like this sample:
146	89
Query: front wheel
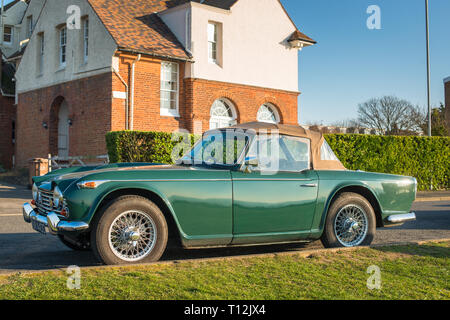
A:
350	222
131	229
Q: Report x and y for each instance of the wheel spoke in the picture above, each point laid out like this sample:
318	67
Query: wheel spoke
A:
132	235
350	225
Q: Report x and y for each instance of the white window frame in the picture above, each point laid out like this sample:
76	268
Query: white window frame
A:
163	110
41	37
274	111
62	44
10	34
85	40
216	122
30	26
213	41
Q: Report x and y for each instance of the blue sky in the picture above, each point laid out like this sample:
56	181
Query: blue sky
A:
351	64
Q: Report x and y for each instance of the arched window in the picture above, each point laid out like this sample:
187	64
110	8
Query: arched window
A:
223	114
268	113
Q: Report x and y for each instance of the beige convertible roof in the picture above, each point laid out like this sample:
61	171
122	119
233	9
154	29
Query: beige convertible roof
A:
317	140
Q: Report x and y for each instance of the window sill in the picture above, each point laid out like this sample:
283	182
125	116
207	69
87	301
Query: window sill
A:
61	68
169	113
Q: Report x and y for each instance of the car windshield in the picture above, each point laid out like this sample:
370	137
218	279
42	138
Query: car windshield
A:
220	148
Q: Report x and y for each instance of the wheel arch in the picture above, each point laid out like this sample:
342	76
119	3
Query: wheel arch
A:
175	231
363	191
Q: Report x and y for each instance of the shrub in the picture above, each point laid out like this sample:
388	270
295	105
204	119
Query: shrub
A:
427	159
139	146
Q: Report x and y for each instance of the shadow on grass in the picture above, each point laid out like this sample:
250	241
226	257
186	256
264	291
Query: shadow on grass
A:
434	250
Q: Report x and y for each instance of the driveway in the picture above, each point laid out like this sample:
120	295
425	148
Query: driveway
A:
22	249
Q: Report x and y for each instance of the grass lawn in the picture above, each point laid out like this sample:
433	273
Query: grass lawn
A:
407	272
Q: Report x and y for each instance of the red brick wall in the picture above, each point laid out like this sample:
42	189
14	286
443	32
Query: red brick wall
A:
247	100
89	102
146	96
7	116
196	98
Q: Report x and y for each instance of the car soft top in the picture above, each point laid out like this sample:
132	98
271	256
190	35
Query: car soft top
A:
317	140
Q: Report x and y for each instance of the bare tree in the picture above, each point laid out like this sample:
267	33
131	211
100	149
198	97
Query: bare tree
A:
391	115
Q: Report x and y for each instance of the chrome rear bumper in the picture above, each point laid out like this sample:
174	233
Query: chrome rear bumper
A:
52	221
400	218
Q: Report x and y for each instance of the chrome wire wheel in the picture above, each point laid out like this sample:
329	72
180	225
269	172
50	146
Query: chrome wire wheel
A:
132	235
351	225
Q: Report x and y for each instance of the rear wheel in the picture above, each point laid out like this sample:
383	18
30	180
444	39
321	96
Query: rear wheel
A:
130	229
350	222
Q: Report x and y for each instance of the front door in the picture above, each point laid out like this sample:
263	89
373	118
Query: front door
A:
63	131
277	199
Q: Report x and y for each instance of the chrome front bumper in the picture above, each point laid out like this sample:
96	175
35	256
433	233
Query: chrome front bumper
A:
52	221
400	218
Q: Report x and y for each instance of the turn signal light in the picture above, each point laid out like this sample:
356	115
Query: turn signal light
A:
64	213
90	184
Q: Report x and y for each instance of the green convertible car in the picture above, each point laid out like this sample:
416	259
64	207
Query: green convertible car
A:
253	183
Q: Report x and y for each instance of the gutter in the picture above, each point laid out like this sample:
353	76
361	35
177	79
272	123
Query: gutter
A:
127	97
155	55
131	126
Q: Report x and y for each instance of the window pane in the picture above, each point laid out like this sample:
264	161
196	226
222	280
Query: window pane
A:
326	153
212	32
169	85
281	153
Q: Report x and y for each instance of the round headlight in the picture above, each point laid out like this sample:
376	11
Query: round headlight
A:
35	192
57	197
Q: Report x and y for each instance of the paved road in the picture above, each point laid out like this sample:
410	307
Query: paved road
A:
22	249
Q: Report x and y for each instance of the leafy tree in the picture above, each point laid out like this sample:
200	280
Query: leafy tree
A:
438	125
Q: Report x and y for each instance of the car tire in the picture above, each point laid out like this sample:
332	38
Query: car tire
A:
130	229
350	222
73	244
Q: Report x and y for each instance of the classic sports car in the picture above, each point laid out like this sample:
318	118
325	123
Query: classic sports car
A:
254	183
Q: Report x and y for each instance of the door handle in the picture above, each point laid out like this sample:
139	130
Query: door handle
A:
309	185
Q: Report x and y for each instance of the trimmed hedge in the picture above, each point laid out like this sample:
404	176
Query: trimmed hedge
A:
140	146
427	159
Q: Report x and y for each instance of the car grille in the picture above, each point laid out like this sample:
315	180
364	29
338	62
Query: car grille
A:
45	202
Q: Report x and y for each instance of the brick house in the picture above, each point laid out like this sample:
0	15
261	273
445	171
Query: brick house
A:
153	65
447	101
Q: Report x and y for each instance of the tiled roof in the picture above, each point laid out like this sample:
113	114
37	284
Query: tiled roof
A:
134	25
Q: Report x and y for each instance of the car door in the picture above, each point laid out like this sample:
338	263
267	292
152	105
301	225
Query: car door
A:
275	193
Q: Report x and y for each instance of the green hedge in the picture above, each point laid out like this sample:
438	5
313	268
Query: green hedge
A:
139	146
427	159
